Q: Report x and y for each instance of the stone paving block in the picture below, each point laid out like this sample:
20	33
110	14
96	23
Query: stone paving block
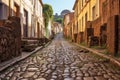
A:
68	79
88	78
28	74
79	78
40	79
61	61
100	78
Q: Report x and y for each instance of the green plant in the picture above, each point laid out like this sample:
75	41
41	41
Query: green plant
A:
48	13
83	44
99	47
106	52
60	20
96	47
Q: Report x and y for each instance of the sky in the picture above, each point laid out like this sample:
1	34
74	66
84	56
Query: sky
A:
59	5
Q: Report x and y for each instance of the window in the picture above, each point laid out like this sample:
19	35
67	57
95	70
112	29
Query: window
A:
82	23
1	12
25	29
77	26
86	17
4	10
38	30
93	13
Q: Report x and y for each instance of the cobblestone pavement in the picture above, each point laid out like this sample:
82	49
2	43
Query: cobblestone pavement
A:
61	61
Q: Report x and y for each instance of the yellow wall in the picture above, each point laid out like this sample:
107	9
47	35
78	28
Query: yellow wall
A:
75	19
86	8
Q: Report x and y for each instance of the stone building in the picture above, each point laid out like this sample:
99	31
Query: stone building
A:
68	19
37	19
30	13
20	21
57	27
63	12
85	10
98	21
110	24
106	27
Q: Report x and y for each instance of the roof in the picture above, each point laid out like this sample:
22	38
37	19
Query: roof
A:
75	4
65	12
41	2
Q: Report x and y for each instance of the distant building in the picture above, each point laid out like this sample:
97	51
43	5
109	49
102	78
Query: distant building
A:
61	14
64	12
68	22
57	27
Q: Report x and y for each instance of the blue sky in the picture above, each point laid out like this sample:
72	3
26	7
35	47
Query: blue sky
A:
59	5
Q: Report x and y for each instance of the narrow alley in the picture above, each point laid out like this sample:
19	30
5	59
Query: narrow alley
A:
61	60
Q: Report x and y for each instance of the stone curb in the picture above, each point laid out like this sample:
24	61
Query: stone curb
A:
9	63
115	61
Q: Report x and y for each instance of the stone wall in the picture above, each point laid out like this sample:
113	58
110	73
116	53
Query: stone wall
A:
96	25
86	33
10	39
2	22
109	11
112	32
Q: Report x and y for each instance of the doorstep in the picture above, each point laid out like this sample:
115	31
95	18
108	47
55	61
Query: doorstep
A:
4	65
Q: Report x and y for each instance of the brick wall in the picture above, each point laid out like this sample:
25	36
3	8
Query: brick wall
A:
96	25
92	29
113	40
108	10
111	35
2	22
10	39
88	25
114	7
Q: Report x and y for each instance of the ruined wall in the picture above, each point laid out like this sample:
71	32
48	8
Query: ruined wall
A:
113	40
10	39
2	22
88	31
109	11
96	25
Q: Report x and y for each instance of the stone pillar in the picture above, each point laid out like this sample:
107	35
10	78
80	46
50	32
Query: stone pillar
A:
112	41
16	28
10	39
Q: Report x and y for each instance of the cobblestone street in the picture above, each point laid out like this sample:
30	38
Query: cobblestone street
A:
61	61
